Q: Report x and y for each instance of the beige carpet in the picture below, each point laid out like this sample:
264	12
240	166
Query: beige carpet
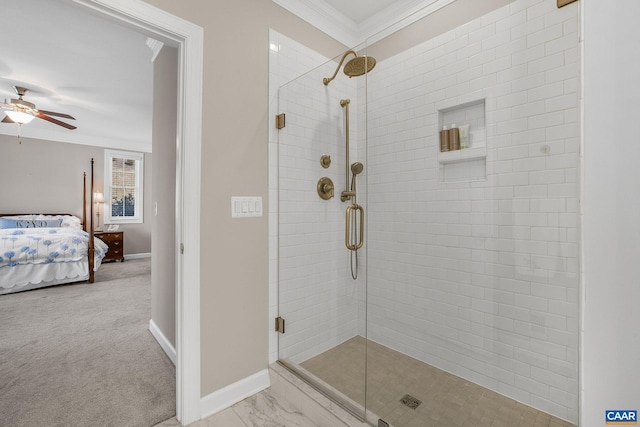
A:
122	270
82	355
445	399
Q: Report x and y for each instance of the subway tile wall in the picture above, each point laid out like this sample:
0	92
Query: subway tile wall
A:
480	277
311	285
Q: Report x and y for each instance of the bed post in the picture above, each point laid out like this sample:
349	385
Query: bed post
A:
91	250
84	201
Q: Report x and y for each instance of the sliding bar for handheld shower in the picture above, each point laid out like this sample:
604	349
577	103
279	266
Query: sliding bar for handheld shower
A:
346	194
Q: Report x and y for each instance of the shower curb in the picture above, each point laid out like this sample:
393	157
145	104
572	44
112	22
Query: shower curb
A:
309	401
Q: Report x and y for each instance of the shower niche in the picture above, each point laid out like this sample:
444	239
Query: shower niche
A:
468	163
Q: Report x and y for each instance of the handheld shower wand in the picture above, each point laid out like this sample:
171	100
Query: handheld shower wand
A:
350	194
356	169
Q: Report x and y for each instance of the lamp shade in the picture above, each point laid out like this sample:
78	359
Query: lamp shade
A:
19	116
98	198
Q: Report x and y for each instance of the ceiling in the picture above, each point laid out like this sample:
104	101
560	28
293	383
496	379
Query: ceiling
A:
80	63
360	10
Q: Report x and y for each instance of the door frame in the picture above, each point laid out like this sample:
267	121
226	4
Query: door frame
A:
189	40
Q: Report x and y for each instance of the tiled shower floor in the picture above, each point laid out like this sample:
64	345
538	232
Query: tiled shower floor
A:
447	400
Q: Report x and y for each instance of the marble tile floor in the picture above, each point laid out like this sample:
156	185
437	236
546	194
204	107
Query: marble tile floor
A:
259	410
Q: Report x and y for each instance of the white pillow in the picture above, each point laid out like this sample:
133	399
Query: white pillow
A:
20	217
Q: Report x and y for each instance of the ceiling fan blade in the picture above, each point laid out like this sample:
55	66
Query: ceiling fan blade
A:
55	121
7	120
52	113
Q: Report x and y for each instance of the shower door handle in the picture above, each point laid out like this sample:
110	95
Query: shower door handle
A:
348	225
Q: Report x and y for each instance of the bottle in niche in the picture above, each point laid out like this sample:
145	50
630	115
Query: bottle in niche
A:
444	139
464	137
454	138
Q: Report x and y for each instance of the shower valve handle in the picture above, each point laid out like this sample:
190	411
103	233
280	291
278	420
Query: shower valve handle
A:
325	188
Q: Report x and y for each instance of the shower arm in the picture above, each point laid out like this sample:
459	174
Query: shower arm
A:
326	80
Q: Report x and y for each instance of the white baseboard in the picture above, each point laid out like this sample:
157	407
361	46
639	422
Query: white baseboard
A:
138	256
234	393
163	341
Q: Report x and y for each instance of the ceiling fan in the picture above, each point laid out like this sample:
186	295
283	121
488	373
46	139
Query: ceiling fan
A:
21	111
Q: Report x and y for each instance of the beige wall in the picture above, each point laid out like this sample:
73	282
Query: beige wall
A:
163	183
46	176
234	290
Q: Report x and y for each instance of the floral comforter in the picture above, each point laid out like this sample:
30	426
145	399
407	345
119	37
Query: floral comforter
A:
20	246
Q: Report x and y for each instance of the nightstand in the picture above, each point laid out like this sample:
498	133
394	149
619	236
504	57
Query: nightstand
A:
115	241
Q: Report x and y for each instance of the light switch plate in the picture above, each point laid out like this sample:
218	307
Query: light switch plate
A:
245	207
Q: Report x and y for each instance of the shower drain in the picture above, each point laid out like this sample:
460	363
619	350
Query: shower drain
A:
410	401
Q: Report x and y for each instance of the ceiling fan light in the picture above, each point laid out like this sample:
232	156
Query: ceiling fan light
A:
19	116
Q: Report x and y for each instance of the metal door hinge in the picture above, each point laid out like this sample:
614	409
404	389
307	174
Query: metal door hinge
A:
562	3
280	121
280	324
181	248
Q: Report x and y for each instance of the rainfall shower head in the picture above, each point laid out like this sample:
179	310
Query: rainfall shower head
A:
357	66
357	168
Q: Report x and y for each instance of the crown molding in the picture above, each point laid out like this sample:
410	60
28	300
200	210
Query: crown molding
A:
335	24
324	17
397	16
155	46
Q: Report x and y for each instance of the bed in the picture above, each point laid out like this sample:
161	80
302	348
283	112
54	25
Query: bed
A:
39	250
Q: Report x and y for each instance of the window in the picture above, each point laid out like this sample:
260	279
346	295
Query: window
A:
123	172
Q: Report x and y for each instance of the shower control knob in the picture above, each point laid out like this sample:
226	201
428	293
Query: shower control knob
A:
325	160
325	188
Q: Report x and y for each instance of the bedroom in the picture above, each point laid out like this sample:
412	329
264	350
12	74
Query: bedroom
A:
48	161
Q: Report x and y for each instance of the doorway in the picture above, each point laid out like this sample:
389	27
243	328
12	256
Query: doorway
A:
188	38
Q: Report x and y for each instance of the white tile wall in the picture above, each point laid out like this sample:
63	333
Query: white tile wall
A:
480	278
311	285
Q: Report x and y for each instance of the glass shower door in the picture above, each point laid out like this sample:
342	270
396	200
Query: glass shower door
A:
319	301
